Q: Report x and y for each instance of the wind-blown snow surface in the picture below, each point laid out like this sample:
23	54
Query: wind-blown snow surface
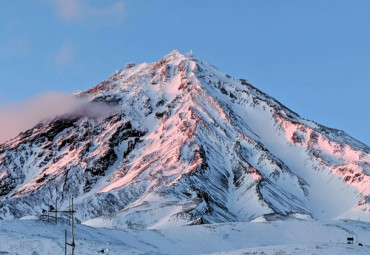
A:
186	144
292	236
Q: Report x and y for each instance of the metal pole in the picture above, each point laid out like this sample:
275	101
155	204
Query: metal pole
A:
69	218
73	236
56	208
65	242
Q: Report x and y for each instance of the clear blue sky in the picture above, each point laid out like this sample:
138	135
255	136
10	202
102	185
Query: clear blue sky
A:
313	56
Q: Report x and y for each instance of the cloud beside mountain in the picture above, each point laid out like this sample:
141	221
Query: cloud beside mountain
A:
16	118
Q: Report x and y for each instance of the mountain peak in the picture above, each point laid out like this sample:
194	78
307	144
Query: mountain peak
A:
177	54
186	144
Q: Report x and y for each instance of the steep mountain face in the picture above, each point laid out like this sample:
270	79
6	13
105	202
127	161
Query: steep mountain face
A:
185	144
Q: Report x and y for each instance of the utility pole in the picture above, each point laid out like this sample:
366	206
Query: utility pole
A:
56	207
72	244
65	242
73	236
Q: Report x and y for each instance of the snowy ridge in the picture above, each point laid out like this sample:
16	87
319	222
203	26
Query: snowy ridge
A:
186	144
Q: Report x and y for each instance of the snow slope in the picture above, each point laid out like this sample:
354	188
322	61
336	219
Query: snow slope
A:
291	236
185	144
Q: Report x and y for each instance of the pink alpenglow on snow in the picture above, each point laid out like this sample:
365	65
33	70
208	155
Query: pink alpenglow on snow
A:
178	142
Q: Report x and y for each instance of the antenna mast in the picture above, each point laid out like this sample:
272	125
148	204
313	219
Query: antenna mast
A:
72	244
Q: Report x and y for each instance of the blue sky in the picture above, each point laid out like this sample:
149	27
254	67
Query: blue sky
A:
313	56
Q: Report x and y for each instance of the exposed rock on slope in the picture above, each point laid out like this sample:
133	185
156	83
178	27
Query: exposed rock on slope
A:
187	144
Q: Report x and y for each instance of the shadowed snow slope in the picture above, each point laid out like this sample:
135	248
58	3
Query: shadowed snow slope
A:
298	237
185	144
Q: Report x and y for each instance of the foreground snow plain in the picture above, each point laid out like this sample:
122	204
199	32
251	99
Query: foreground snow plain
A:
290	236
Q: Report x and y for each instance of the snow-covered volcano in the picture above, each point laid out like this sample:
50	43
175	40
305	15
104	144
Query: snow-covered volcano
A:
184	144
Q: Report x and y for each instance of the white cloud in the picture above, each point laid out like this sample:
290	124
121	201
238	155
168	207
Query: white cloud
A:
17	118
66	54
70	10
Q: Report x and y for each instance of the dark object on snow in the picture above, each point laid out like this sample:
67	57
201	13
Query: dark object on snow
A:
349	240
359	244
159	115
51	208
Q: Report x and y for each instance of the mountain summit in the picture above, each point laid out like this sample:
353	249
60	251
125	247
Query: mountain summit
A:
184	144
